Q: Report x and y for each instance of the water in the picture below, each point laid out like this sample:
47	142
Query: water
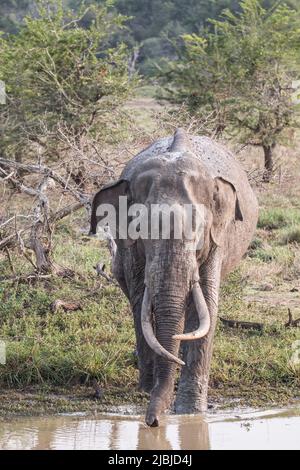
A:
274	429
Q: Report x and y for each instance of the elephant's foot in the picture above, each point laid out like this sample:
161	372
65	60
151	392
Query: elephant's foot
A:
191	398
194	405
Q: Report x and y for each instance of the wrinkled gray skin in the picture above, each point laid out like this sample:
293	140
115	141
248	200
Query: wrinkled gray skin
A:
182	169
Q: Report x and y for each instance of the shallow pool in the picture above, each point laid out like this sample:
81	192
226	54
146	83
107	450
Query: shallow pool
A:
237	429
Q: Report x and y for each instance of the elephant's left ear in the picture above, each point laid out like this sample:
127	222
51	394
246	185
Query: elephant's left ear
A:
108	195
225	207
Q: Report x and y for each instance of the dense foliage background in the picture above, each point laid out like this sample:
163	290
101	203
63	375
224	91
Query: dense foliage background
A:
153	23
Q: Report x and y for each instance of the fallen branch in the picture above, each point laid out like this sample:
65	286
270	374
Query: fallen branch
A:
292	323
10	239
25	277
242	324
258	326
100	270
65	211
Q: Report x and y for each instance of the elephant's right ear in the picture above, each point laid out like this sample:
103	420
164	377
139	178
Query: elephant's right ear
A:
108	195
226	208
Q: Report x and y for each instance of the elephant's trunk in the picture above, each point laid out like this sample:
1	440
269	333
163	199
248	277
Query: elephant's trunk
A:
170	277
169	321
200	332
149	333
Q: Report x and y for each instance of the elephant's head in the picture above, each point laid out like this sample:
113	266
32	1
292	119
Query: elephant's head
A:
178	179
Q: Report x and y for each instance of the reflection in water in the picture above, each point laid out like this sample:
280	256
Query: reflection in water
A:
186	433
104	432
249	431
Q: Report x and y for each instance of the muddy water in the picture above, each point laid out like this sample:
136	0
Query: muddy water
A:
275	429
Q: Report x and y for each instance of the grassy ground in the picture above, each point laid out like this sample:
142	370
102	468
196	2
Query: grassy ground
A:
54	357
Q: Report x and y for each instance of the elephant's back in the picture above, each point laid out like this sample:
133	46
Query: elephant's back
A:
158	147
218	160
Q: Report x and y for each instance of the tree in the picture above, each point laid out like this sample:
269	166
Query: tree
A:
242	75
61	75
65	85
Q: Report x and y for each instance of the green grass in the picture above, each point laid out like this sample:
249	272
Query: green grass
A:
278	236
254	365
250	358
256	243
283	255
67	347
146	91
278	217
290	235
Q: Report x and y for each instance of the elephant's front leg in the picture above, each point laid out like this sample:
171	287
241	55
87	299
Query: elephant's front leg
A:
133	275
145	355
193	385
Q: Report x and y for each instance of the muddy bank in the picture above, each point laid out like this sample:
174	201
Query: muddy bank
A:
36	401
40	401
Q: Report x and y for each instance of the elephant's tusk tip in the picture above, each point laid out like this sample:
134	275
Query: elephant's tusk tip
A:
188	336
179	337
180	362
177	360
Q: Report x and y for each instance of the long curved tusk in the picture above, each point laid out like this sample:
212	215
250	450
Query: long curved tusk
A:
149	333
203	315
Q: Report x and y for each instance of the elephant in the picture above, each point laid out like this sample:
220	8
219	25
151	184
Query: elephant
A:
173	290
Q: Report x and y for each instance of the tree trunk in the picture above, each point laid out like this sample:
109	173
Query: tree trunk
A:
269	163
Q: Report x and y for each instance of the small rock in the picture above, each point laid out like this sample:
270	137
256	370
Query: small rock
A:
267	287
65	305
294	289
